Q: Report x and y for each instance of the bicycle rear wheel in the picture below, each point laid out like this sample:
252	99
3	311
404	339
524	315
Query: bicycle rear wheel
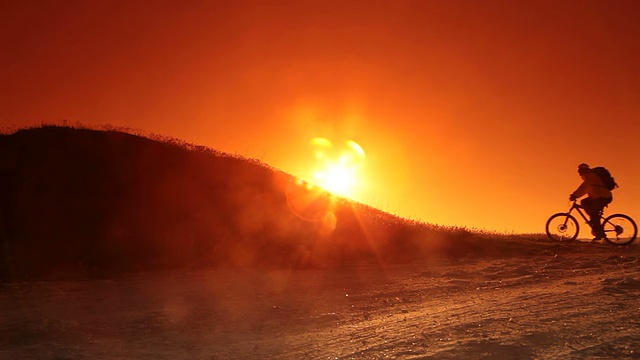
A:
562	226
620	229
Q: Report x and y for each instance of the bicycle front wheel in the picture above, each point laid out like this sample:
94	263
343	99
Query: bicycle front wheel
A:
562	226
620	229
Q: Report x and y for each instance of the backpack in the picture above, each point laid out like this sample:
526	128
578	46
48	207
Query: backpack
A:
606	177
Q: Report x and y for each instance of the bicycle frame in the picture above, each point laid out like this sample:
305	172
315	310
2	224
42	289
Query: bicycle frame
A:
581	211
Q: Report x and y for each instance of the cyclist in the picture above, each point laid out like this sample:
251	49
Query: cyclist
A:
598	197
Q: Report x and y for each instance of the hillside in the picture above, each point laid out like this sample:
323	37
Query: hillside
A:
79	202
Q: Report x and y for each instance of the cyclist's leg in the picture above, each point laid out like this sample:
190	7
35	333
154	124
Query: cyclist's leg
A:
593	208
596	216
600	205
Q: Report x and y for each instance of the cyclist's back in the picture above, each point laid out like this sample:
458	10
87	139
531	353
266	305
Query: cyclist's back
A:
592	186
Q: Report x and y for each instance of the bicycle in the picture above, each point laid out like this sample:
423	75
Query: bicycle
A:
619	229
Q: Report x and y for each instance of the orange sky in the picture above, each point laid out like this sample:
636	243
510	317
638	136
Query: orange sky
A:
471	113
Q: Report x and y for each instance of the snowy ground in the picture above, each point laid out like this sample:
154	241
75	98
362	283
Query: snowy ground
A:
571	301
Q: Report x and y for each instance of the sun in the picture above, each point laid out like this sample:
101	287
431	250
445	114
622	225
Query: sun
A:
337	179
337	168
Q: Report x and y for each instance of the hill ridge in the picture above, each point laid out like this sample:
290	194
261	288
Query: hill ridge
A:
85	201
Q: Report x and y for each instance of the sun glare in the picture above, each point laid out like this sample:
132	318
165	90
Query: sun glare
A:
336	179
337	168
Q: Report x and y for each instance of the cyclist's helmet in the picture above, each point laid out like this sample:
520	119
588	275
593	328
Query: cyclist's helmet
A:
583	168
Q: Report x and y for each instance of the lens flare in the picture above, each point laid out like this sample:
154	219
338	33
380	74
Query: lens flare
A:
356	148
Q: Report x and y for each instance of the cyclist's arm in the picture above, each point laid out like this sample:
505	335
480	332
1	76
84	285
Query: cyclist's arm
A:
580	191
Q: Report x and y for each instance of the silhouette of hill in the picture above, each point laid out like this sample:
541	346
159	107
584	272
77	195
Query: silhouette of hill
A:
79	202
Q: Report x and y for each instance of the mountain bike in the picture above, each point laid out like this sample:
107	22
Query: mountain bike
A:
619	229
